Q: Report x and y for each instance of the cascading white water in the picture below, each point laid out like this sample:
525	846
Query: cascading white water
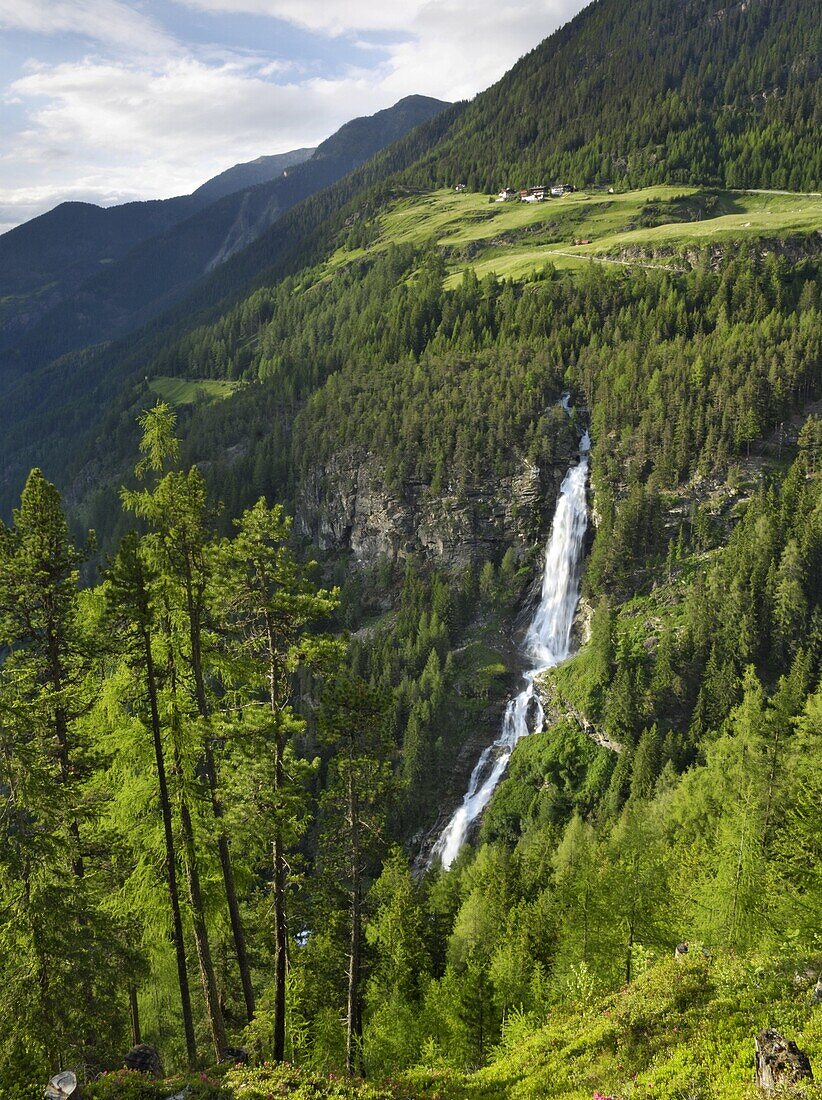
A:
547	642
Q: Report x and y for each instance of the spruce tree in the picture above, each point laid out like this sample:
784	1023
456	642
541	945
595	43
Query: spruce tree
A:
355	806
266	602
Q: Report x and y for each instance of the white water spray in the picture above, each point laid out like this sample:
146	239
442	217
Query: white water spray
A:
547	642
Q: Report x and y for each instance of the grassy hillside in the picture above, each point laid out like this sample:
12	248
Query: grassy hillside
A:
185	391
515	239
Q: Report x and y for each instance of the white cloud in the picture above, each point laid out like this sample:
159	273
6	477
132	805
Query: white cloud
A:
107	132
457	48
446	48
328	16
107	21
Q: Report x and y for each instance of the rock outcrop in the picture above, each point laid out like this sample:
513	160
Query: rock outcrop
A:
63	1086
144	1059
347	504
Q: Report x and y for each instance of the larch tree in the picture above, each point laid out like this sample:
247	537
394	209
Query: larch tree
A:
176	513
62	957
131	604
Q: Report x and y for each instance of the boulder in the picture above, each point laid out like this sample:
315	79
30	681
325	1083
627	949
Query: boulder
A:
235	1055
779	1062
62	1086
144	1059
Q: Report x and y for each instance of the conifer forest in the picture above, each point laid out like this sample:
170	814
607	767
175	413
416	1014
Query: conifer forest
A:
411	633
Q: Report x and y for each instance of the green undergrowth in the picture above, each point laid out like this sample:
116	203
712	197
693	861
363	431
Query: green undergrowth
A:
682	1030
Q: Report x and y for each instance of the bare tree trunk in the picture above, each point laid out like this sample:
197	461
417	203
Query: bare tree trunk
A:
43	978
353	1045
230	886
134	1012
198	919
280	947
766	824
61	733
780	1065
631	923
229	882
212	997
171	860
280	872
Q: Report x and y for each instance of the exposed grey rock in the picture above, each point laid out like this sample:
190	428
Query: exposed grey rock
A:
804	978
346	504
581	630
557	708
236	1055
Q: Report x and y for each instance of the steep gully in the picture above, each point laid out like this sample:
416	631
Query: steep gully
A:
547	643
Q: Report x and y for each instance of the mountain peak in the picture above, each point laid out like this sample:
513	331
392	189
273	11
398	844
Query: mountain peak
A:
250	173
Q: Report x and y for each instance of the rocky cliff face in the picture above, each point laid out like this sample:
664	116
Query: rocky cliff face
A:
347	505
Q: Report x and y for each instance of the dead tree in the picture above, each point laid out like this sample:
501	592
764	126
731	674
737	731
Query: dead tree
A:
779	1062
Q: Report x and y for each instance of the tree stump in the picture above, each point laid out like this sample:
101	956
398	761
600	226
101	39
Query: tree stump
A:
779	1062
144	1059
63	1086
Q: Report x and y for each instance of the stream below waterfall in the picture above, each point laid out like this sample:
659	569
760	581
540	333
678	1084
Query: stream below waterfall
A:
547	642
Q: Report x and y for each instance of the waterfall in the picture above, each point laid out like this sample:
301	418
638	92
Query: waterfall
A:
547	642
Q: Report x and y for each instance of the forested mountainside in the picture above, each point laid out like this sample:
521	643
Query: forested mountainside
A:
44	260
51	255
544	107
227	769
172	245
659	91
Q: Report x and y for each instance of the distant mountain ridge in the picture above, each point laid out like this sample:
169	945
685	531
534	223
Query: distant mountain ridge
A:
251	173
45	260
81	274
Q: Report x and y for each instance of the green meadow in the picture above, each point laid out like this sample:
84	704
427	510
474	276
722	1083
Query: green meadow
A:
516	239
187	391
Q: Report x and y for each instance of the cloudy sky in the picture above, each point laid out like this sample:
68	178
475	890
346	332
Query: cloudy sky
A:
111	100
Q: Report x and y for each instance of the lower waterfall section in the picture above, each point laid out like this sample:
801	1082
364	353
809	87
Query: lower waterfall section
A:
547	642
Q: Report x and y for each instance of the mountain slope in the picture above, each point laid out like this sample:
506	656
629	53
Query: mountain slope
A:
597	88
45	260
249	174
126	294
644	93
649	92
640	896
